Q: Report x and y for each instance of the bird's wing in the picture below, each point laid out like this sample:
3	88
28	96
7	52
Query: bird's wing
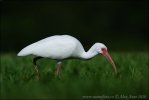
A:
56	47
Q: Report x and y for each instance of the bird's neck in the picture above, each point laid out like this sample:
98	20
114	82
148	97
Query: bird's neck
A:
89	54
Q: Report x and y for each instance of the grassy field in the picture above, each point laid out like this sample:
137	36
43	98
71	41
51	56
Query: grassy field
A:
79	79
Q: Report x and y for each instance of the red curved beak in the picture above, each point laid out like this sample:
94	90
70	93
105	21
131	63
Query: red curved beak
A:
107	55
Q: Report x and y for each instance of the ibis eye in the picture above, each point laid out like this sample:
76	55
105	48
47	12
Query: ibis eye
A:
103	49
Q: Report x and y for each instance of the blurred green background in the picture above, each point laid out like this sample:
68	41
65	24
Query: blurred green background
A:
121	25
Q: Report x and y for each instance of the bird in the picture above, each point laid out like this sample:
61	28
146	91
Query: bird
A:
60	47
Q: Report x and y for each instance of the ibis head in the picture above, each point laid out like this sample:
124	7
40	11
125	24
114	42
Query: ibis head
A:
102	49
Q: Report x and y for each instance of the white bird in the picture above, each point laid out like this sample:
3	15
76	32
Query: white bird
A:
60	47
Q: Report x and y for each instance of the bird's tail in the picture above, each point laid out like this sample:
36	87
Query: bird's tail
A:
24	52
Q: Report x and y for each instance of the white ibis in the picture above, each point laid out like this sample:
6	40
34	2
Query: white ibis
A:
60	47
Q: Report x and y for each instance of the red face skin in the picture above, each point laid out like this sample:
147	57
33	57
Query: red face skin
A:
106	54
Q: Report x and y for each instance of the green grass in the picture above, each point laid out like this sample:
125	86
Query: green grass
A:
79	79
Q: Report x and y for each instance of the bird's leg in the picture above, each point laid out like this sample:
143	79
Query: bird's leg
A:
36	67
58	67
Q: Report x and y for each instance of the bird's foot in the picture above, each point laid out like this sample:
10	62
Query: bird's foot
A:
57	72
37	77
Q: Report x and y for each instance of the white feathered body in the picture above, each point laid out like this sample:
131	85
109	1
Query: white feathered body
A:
55	47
